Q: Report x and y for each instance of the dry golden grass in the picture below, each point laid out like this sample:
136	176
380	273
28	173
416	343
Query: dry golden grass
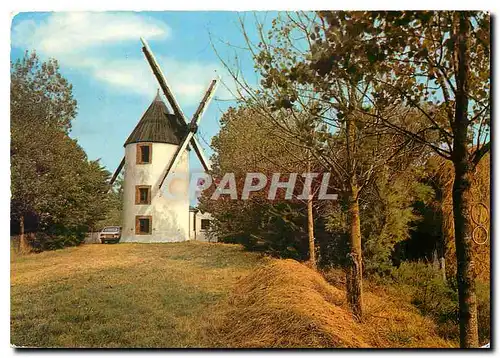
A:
194	295
286	304
125	295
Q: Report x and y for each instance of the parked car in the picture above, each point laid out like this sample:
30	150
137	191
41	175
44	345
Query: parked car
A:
110	234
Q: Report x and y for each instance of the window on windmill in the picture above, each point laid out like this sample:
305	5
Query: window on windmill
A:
142	194
144	153
143	225
205	224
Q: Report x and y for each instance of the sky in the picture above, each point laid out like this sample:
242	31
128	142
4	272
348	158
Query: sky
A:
100	55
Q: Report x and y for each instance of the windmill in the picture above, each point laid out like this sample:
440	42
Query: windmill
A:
158	146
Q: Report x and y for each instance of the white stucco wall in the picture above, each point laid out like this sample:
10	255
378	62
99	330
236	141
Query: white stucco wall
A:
196	233
192	215
170	217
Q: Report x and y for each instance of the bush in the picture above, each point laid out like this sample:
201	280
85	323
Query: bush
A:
439	299
58	238
429	293
483	311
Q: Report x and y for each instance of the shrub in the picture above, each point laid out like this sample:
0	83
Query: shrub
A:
439	299
58	238
483	311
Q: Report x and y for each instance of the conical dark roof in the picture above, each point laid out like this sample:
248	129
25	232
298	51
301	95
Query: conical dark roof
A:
158	125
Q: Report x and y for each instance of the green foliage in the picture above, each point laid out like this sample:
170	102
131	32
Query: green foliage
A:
334	251
58	237
412	58
114	205
425	288
369	160
275	228
388	218
386	215
434	62
434	233
246	143
484	319
52	180
430	293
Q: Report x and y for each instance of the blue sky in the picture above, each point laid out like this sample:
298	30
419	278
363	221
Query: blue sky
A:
100	54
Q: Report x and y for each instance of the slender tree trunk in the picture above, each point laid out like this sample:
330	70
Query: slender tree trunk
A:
310	230
465	265
435	260
438	261
24	246
310	222
354	279
441	254
442	268
462	195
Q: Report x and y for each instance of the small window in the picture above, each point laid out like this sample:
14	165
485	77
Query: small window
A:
143	225
142	194
144	152
205	224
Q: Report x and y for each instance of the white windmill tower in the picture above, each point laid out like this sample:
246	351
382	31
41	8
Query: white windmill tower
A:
157	147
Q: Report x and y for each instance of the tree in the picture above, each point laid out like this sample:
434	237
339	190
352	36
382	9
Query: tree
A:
346	141
387	214
245	144
41	102
52	181
440	174
437	63
114	198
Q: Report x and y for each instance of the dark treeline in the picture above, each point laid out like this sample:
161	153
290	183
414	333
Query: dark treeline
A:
57	194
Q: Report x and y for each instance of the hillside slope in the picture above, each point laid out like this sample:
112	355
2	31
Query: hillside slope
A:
286	304
193	295
125	295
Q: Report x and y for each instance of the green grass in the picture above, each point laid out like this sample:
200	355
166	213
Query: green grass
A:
125	295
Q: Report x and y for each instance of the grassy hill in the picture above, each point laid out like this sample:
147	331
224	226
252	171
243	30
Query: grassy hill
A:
126	295
193	295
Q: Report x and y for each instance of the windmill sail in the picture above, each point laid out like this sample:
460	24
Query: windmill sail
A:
193	127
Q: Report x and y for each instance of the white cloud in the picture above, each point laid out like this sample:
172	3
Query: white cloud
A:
188	79
72	32
81	40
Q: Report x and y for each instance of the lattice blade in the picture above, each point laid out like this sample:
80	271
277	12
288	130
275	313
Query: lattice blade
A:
175	159
162	80
117	172
201	155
